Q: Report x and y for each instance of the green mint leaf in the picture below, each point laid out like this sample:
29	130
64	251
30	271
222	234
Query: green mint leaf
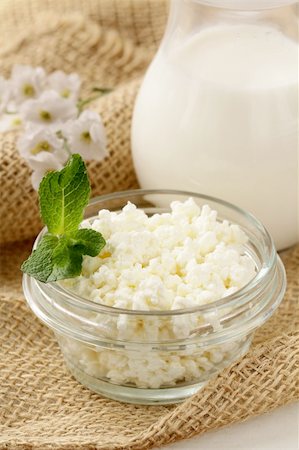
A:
68	254
63	196
87	241
54	259
60	258
39	265
67	262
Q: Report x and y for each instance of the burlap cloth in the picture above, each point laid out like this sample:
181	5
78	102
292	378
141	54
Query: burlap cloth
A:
109	43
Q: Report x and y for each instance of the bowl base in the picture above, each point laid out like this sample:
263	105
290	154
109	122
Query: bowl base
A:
162	396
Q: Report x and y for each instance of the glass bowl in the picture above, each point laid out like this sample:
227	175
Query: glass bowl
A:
152	367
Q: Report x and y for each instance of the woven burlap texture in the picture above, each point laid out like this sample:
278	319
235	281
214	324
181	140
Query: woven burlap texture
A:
109	43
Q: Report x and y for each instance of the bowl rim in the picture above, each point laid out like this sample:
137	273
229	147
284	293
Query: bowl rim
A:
242	295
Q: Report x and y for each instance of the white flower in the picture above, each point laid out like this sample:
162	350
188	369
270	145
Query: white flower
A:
43	151
67	86
27	82
5	88
36	144
48	163
50	109
10	122
86	136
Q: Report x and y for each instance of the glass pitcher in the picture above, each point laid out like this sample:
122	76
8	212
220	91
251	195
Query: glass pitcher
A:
217	112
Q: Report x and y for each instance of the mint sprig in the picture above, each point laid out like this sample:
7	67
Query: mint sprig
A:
63	196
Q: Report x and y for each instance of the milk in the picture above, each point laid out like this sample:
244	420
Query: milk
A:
219	115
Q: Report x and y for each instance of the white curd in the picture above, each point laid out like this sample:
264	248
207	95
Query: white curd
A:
182	259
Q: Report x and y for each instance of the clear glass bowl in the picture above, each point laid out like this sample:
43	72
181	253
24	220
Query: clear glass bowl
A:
151	367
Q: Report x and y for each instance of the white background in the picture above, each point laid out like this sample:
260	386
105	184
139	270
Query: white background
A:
277	430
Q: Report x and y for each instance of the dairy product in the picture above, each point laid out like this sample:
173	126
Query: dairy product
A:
177	260
218	114
153	370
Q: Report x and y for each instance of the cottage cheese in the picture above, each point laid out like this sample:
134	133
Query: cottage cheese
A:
176	260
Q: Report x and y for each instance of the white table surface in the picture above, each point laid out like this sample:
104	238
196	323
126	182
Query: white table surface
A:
277	430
